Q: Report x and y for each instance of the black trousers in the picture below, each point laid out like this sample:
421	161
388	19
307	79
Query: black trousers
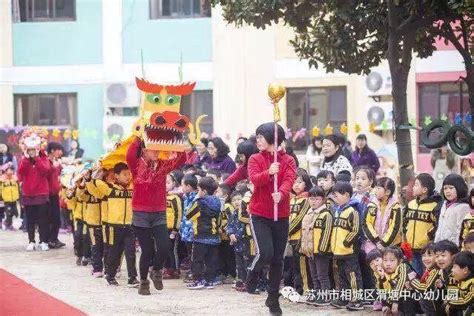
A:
319	266
10	211
296	270
270	241
172	260
82	242
97	248
54	217
243	260
349	274
121	239
204	261
154	244
105	236
226	259
37	215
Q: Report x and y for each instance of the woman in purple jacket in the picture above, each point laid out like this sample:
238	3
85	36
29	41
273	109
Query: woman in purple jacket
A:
363	155
220	158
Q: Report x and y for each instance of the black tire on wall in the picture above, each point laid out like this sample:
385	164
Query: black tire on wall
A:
461	150
425	133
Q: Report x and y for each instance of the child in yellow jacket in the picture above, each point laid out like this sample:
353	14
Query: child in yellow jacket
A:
119	217
10	194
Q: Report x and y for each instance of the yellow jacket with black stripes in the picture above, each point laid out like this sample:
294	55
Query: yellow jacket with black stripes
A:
467	227
204	214
119	202
465	297
224	218
316	232
174	211
104	204
10	190
346	230
420	221
394	283
299	206
92	214
79	206
383	223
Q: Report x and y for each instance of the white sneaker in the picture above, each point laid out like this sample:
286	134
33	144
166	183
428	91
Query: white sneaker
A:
44	246
31	246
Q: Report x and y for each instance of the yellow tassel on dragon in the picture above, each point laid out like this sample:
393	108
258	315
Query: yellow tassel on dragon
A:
160	125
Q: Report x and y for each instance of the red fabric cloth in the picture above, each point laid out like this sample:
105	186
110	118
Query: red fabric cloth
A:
191	158
261	203
238	175
53	179
34	176
149	179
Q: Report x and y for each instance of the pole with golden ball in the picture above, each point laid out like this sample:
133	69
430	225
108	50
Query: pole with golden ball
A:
276	93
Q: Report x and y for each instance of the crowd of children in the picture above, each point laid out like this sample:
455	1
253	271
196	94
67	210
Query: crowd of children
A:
349	232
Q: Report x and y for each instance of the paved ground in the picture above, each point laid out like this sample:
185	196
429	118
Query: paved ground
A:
55	272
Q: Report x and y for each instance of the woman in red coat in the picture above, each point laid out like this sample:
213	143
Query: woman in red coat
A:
149	209
270	236
33	172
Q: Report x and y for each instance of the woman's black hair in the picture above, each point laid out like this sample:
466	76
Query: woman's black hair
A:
396	251
222	148
267	130
471	195
459	184
303	174
337	141
289	150
368	171
205	141
387	184
247	148
313	140
366	147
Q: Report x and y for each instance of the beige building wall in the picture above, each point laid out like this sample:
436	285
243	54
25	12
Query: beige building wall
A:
6	60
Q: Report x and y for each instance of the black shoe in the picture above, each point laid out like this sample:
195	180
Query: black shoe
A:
133	282
339	303
58	244
112	281
157	277
273	304
79	261
252	283
322	302
85	261
355	306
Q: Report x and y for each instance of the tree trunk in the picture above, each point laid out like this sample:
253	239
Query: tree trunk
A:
399	59
470	89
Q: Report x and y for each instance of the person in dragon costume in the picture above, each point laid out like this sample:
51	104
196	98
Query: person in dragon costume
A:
157	148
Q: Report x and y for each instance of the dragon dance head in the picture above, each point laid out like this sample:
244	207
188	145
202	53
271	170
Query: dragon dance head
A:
161	125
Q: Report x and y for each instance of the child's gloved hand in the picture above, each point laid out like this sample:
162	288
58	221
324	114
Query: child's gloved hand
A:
233	239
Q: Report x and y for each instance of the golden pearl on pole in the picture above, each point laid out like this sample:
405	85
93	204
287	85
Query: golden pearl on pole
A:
276	92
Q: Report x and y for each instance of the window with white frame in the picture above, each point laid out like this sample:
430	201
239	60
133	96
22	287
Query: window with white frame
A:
198	103
43	10
46	109
178	9
315	106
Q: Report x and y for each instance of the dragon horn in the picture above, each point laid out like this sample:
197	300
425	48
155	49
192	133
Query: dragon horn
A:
195	136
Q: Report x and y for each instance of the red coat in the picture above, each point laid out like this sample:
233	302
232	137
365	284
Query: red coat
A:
238	175
261	202
53	179
149	181
34	176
